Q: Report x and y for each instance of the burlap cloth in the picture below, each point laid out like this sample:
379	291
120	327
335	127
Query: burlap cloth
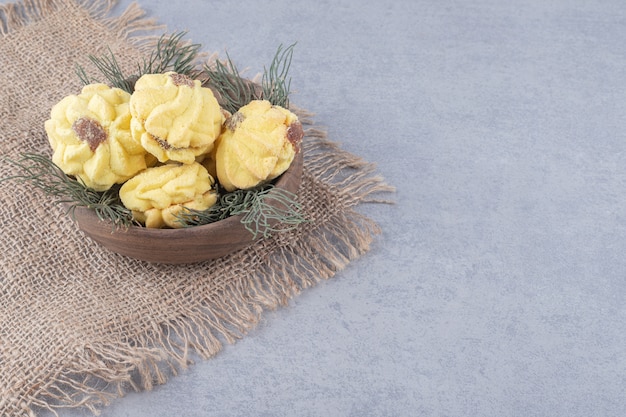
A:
80	325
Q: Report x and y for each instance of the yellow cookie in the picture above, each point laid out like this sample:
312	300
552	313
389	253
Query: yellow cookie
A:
90	136
257	144
174	117
157	195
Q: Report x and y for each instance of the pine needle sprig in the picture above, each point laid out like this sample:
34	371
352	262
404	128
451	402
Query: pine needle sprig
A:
261	207
171	53
108	66
45	175
83	76
280	208
275	83
233	92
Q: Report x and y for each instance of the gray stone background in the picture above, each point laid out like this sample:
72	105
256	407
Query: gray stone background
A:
497	287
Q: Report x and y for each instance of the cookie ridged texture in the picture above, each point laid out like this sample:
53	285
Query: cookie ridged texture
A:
258	144
90	137
174	117
158	194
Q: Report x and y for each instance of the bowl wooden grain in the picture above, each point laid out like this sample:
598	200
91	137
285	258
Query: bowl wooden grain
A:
180	246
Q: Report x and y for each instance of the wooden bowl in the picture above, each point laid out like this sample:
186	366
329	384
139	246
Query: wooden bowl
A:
179	246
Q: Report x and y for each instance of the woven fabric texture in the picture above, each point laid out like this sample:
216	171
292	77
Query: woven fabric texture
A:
80	325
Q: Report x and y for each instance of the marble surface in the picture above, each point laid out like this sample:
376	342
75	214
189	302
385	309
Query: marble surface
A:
498	285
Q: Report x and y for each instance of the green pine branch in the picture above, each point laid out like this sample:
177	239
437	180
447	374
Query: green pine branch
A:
261	206
234	91
171	53
42	173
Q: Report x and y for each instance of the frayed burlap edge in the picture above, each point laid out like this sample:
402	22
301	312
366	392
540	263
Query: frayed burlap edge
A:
103	371
132	25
